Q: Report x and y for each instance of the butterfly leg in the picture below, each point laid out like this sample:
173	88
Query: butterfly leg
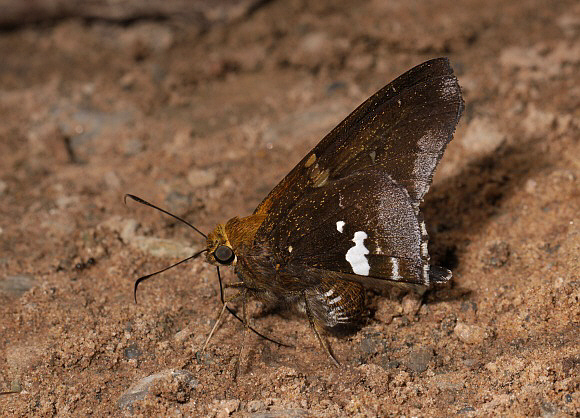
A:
315	327
219	317
244	294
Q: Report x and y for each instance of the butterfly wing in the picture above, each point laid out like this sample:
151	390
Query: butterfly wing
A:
370	172
362	227
402	130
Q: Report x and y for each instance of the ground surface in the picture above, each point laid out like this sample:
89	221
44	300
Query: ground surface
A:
204	117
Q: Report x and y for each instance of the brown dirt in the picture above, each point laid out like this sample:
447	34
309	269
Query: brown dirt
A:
205	121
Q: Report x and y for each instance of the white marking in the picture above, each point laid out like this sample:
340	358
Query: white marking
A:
423	228
373	155
424	250
356	255
395	269
340	204
339	226
426	273
399	102
290	249
329	293
335	300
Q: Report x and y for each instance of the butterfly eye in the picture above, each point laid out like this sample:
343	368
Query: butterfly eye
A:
224	254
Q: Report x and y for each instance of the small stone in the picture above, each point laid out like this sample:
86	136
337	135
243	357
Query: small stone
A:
201	178
411	304
17	285
531	186
141	389
482	136
419	359
255	406
162	248
183	335
491	366
466	409
469	334
112	180
228	407
133	147
371	344
132	352
449	381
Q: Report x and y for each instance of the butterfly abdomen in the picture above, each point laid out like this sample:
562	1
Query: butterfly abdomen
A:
336	303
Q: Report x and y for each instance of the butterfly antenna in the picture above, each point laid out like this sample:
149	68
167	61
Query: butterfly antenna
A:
144	202
141	279
241	320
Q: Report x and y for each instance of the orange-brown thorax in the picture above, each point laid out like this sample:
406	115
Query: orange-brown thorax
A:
237	234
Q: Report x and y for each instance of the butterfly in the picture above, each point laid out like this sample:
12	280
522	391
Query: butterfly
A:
348	215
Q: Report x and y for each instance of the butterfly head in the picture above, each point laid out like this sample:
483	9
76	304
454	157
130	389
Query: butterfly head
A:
219	249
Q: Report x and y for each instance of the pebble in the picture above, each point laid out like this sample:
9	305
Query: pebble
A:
469	334
372	344
531	186
132	352
228	407
482	136
162	248
15	286
411	304
201	178
419	359
140	390
133	146
449	381
255	406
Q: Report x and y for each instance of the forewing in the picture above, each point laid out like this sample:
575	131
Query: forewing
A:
362	227
401	130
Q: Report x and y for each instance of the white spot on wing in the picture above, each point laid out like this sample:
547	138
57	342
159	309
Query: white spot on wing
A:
424	250
423	228
290	249
356	255
339	226
395	269
329	293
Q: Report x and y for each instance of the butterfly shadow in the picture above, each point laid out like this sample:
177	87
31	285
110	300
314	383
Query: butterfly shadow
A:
459	208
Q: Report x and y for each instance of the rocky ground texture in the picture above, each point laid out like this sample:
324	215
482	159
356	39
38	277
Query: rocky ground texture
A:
203	113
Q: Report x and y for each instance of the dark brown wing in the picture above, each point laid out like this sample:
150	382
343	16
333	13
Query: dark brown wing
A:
369	174
402	129
362	228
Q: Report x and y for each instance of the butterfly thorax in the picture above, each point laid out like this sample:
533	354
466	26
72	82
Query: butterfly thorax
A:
254	262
